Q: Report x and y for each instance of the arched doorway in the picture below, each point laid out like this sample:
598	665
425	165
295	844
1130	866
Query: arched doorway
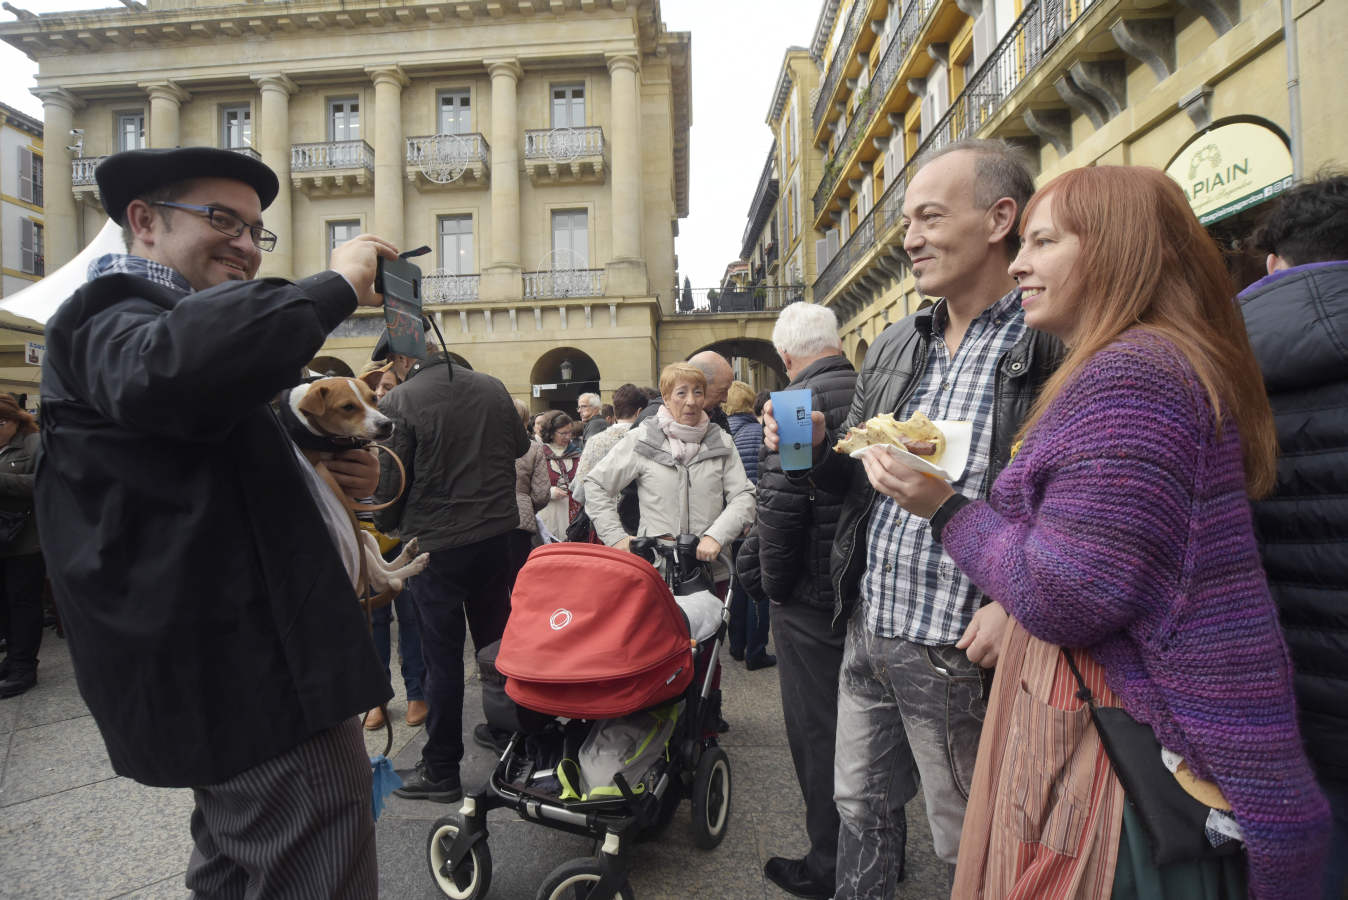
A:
560	376
860	356
768	370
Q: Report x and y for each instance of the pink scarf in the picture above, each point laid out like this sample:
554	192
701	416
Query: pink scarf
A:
684	440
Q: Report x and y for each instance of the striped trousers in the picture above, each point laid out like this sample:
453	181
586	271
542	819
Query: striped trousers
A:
297	825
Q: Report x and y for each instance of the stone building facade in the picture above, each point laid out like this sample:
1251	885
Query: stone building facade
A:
539	147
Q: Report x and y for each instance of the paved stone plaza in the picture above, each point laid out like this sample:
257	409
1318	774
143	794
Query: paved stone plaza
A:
69	828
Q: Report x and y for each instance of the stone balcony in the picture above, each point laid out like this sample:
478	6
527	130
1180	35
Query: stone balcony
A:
563	283
332	168
448	161
565	155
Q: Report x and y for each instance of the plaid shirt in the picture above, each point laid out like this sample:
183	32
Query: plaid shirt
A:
126	264
911	589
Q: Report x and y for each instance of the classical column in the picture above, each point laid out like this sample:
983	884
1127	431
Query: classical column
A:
166	99
60	216
626	271
272	140
389	82
501	279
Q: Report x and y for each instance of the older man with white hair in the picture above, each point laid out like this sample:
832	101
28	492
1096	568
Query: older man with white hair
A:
589	406
796	524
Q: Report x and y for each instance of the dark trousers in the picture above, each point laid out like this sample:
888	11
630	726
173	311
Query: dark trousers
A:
748	619
22	584
409	642
469	582
299	824
521	545
809	655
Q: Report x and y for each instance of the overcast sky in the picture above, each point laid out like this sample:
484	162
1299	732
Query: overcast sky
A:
738	47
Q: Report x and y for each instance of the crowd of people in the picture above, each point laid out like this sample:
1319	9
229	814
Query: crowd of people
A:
1148	534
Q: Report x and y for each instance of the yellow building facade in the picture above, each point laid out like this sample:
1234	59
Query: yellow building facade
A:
539	147
1197	87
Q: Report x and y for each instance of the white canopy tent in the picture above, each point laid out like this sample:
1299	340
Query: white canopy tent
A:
39	302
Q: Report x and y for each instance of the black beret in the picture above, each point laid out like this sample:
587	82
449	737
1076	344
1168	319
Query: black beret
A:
125	176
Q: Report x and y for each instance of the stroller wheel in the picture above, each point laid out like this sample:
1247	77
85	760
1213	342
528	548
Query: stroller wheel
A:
711	798
472	878
574	879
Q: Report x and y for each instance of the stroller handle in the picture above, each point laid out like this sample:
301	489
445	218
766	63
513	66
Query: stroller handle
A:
676	557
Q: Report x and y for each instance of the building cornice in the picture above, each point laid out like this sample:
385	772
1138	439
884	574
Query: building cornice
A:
783	89
103	29
20	120
823	27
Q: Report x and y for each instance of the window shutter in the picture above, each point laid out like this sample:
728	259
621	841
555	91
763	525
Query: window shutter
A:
26	242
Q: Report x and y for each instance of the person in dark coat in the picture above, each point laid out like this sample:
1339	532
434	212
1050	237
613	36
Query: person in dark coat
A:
748	636
1297	318
21	566
458	434
795	538
203	572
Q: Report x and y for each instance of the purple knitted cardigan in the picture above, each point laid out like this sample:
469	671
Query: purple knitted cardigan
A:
1122	526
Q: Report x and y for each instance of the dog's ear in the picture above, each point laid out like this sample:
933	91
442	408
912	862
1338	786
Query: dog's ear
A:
314	400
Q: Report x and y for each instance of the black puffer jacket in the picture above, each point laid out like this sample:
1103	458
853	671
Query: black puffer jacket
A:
889	376
796	521
1298	325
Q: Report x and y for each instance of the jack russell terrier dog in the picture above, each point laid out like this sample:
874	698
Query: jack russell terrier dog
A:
325	417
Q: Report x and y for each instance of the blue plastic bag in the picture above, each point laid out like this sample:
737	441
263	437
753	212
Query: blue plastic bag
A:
383	780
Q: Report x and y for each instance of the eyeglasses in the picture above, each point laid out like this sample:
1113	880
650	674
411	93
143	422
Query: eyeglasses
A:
226	222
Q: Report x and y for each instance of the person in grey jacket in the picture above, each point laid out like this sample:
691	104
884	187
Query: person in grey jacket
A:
458	436
1297	318
21	568
688	474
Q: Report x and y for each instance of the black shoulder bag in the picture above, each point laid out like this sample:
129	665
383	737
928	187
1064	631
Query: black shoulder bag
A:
1174	821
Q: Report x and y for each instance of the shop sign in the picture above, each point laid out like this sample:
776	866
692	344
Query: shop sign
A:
1231	168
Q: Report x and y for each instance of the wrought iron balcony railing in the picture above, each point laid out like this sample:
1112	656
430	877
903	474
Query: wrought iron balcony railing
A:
563	144
841	57
82	170
327	155
914	16
1016	56
440	286
563	283
444	157
756	298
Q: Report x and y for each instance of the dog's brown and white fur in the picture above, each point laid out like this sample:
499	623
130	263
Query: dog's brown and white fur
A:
342	413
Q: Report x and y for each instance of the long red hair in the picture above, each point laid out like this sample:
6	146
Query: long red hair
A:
1147	263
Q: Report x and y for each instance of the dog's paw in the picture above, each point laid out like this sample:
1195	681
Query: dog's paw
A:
410	548
419	564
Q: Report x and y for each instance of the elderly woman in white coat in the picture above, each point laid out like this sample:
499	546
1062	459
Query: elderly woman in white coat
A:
688	474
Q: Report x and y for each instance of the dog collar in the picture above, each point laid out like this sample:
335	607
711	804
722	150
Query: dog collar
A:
305	439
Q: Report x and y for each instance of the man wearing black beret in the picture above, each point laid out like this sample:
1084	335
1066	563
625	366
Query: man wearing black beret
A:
212	622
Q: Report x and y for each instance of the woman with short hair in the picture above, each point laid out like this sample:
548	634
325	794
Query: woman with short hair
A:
1121	534
689	477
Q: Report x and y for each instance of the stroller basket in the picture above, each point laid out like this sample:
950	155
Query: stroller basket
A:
594	633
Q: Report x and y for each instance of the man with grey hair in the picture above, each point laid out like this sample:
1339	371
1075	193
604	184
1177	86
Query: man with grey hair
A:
796	524
911	690
588	406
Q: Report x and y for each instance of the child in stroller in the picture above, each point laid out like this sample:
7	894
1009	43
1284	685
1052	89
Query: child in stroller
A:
627	655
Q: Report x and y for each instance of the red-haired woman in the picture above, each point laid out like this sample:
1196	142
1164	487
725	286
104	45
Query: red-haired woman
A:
21	568
1122	531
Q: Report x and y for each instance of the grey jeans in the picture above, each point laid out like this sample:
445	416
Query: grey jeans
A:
906	712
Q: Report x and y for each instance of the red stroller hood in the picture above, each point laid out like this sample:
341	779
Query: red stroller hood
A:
593	633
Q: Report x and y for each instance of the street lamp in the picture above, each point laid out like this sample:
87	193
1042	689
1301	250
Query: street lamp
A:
567	370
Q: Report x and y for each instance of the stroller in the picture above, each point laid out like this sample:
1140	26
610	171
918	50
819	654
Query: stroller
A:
612	700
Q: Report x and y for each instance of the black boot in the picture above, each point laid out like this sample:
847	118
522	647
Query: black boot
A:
17	681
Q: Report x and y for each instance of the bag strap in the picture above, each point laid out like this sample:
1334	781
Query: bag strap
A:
1084	694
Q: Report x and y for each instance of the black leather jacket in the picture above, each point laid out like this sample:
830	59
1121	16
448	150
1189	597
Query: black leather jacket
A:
888	378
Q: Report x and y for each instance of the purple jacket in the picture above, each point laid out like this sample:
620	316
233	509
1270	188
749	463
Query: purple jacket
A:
1123	526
